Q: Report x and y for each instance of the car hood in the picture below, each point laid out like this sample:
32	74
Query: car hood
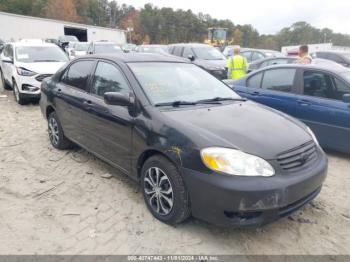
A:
42	67
246	126
211	63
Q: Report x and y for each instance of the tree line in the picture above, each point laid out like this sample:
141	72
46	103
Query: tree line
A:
151	24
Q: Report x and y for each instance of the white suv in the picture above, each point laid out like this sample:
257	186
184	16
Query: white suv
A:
23	65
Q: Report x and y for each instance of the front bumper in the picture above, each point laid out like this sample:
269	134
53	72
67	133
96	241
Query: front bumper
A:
252	201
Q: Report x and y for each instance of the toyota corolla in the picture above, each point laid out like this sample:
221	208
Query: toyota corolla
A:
194	145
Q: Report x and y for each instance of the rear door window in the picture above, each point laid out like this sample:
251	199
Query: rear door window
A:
178	50
187	52
318	84
78	74
279	79
340	89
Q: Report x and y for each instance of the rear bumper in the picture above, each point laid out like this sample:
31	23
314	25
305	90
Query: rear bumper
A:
243	201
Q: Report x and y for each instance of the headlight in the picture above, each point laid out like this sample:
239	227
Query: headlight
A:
25	72
235	162
312	135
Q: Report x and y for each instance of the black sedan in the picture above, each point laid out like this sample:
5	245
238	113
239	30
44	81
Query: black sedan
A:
193	144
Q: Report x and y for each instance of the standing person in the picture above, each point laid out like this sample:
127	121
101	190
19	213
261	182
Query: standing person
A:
237	65
304	57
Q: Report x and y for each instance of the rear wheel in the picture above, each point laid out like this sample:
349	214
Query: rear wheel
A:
56	135
164	191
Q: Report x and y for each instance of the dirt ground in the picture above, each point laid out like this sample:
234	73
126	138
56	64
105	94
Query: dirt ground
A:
66	202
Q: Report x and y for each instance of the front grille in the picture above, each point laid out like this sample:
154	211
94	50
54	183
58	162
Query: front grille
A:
42	77
298	157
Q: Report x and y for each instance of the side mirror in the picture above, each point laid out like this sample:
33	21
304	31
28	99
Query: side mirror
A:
6	59
117	99
346	98
191	57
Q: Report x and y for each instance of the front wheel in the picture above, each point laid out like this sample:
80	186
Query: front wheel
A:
18	96
56	135
164	191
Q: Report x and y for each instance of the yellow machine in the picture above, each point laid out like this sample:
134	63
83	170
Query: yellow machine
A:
216	36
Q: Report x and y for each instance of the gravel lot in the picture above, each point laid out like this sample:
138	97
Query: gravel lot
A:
66	202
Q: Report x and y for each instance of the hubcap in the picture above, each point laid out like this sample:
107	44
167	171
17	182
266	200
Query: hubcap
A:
53	131
158	191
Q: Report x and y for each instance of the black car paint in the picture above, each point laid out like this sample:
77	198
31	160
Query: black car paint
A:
126	136
207	65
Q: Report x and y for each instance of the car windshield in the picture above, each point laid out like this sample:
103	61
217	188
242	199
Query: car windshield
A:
81	47
107	48
32	54
208	53
170	82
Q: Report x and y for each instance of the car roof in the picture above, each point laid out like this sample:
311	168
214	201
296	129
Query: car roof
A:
139	57
191	44
273	58
36	44
334	52
262	50
155	45
332	69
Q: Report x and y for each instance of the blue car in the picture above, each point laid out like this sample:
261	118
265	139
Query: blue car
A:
317	95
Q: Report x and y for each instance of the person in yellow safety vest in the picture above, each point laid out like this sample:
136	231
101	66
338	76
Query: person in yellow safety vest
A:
304	57
237	65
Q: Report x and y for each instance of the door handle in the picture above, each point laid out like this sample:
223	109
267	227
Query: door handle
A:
88	102
255	93
59	92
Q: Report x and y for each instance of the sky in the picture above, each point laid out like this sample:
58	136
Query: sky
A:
267	16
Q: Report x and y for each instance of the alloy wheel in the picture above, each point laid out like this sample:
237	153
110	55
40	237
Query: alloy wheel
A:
158	191
53	131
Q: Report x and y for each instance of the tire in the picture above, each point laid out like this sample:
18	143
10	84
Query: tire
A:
57	138
169	179
3	82
18	96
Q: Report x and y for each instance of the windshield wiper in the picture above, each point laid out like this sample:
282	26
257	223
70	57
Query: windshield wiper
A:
176	103
219	99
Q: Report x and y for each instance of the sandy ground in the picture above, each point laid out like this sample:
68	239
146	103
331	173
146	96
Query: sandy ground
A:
65	202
